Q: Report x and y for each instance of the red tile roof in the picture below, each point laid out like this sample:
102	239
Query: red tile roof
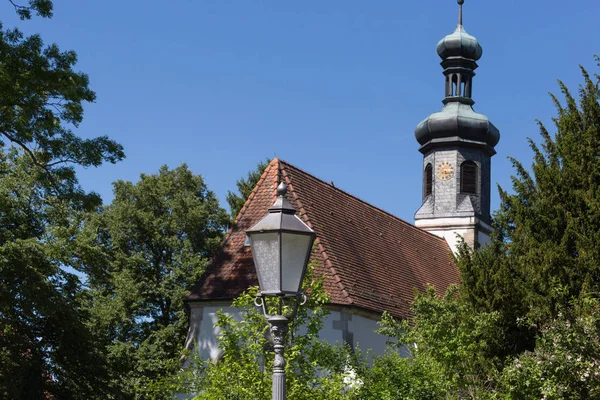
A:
370	259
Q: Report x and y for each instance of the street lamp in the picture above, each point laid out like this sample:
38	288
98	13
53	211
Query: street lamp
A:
281	245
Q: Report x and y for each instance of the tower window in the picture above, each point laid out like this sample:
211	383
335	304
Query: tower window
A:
468	177
428	179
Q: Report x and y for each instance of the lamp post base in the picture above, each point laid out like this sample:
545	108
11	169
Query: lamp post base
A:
279	327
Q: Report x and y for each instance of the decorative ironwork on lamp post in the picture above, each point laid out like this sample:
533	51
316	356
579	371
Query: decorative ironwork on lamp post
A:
281	245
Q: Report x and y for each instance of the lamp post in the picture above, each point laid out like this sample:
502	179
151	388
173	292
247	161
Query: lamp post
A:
281	245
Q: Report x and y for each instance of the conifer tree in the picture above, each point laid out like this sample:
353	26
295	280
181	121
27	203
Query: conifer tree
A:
545	251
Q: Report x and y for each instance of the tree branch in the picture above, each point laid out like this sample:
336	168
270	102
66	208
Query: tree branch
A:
31	154
61	161
19	7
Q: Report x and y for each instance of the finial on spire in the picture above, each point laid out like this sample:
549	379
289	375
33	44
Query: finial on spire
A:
282	189
460	13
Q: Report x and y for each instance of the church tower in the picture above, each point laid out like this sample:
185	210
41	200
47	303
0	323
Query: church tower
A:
457	146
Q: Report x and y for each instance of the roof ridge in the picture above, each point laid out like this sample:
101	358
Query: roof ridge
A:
361	200
303	213
245	206
254	190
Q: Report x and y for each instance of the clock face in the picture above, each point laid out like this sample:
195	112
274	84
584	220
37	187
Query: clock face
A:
445	171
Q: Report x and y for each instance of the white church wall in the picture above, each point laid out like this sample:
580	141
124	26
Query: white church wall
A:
366	337
448	228
454	236
341	325
332	336
452	229
203	332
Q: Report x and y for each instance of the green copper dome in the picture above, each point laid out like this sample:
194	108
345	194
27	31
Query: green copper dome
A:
459	44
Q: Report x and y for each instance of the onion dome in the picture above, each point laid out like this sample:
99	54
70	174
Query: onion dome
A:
459	44
457	122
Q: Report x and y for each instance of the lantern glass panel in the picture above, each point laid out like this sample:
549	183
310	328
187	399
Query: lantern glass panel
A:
294	251
265	250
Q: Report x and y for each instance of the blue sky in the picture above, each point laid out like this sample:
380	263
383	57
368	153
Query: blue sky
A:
334	87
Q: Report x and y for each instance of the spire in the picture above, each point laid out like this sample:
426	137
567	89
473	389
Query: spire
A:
459	52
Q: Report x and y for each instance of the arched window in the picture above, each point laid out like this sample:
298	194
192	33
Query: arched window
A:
428	180
468	177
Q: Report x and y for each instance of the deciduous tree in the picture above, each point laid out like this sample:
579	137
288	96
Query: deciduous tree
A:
41	101
141	254
47	348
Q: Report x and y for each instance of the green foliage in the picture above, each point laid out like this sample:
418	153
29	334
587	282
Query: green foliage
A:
43	8
444	346
245	187
46	345
448	344
141	254
47	348
395	377
491	283
564	365
41	100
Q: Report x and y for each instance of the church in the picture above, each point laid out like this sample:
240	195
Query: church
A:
371	260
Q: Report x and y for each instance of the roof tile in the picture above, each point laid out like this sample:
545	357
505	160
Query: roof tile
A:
368	257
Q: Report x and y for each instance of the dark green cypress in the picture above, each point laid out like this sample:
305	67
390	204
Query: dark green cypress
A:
545	252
